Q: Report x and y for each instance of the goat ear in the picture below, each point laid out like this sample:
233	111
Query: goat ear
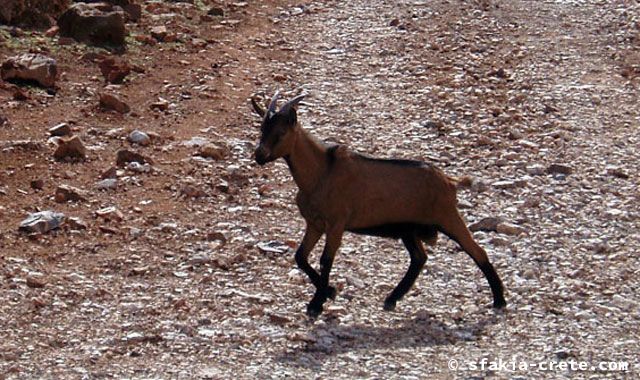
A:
257	107
292	104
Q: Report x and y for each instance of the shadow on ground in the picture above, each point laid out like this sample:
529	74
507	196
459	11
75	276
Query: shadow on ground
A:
423	330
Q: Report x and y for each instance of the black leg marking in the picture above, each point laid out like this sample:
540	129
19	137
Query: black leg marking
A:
495	283
418	259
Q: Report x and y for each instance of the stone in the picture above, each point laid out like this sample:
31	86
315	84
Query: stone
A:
139	137
114	70
112	172
161	105
559	169
503	185
65	193
486	224
42	222
36	13
62	129
76	224
216	11
110	214
213	151
509	229
37	184
32	67
95	24
159	33
113	102
36	281
107	184
535	169
70	148
125	156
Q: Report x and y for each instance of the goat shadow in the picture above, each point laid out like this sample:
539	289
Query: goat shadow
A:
423	330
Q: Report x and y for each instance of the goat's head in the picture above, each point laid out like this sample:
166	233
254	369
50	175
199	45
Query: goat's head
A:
277	129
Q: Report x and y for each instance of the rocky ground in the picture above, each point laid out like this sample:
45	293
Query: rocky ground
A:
193	276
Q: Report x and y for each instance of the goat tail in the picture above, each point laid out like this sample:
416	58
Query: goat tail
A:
463	182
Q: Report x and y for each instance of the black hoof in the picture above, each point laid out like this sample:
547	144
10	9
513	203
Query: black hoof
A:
389	305
331	293
499	303
313	311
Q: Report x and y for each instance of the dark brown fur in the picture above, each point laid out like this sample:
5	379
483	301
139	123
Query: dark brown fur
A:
340	191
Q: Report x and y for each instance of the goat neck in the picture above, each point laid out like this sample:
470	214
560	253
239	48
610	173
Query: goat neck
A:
307	160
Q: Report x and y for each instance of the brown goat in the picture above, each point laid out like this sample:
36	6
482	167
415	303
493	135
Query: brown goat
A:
340	191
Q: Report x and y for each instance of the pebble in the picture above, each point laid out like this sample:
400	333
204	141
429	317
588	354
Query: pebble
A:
65	193
107	184
139	137
509	229
486	224
559	169
213	151
113	102
42	221
125	156
535	169
62	129
70	148
110	213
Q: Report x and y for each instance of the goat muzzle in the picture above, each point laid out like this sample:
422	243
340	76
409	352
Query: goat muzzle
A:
262	156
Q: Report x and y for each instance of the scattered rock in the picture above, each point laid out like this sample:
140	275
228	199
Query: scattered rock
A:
139	137
509	229
216	11
486	224
190	191
161	34
107	184
96	24
110	214
70	148
139	168
113	102
114	70
65	193
213	151
559	169
109	173
76	224
31	67
36	13
504	185
616	172
36	281
125	156
62	129
41	222
37	184
161	105
535	169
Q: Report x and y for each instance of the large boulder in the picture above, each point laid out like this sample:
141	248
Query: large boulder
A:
133	10
95	24
38	13
30	67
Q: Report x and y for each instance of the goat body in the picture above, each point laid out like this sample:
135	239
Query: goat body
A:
340	191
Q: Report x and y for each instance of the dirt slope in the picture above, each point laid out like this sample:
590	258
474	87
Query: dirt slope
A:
536	100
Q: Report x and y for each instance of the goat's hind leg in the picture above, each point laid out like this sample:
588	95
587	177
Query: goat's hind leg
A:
457	230
418	259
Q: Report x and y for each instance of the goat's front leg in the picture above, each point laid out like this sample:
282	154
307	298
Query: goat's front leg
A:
323	290
311	237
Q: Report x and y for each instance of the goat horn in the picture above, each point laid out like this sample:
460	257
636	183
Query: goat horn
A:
292	103
274	100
